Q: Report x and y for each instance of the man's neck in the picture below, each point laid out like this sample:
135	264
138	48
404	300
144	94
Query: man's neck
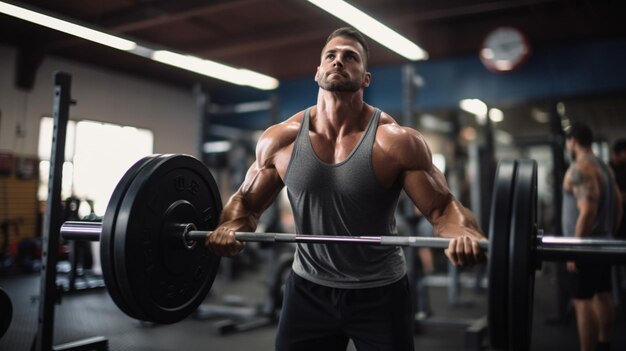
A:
583	152
339	111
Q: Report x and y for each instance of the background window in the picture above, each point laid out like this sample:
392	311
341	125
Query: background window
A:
96	156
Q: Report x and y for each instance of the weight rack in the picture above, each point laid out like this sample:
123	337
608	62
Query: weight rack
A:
49	292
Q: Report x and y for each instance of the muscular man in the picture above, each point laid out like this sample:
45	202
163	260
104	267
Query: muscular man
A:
344	164
590	209
618	164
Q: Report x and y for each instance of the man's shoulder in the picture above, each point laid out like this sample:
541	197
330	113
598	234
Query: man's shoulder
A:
585	170
405	144
388	128
590	164
281	134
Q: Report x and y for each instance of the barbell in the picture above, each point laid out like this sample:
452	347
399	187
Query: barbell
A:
164	204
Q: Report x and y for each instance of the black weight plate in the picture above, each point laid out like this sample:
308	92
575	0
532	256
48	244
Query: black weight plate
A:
498	260
6	312
521	255
164	279
130	306
108	234
133	308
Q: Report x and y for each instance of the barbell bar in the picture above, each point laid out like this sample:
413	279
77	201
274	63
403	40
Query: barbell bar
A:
549	248
164	204
76	230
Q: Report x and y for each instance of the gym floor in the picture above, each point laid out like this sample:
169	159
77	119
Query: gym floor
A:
92	313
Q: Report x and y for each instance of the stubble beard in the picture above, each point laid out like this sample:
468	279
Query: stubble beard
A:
350	86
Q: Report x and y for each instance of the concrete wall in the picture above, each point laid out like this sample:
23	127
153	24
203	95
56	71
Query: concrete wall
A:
106	96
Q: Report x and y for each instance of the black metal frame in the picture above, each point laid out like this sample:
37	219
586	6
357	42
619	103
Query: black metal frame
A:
49	292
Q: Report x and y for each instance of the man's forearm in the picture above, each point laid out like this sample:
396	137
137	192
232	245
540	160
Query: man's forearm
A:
584	224
454	220
238	215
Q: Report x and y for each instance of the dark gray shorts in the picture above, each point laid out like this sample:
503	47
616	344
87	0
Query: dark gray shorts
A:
590	279
316	317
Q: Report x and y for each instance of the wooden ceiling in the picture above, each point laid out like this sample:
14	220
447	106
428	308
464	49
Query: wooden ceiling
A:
282	38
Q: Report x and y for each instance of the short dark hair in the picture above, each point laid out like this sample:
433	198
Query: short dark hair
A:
619	146
351	33
581	133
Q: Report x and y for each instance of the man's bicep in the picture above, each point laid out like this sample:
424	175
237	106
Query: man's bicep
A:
585	185
586	190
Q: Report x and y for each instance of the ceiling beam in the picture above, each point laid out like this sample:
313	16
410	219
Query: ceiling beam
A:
279	38
140	19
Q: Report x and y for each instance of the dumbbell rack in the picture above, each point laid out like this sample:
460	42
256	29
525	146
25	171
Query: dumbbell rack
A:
49	292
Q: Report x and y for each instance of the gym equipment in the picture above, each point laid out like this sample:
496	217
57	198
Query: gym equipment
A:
76	273
165	204
236	313
6	309
49	292
6	261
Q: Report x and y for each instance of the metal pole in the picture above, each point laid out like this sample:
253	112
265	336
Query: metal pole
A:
52	221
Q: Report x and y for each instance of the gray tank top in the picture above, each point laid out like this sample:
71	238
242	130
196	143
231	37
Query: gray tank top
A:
342	199
603	226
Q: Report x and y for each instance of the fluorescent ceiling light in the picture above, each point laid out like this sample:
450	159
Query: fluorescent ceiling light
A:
198	65
496	115
372	28
474	106
212	147
216	70
67	27
539	115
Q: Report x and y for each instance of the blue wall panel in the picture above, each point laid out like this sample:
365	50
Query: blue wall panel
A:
557	72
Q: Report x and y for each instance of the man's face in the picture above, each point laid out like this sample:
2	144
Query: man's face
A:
342	66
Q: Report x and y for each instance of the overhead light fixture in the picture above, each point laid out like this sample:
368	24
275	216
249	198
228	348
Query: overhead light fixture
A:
214	147
496	115
213	69
198	65
372	28
67	27
474	106
560	108
540	116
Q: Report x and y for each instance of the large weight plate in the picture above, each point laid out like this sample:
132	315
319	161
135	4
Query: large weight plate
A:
6	312
108	233
521	255
162	278
128	303
499	227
